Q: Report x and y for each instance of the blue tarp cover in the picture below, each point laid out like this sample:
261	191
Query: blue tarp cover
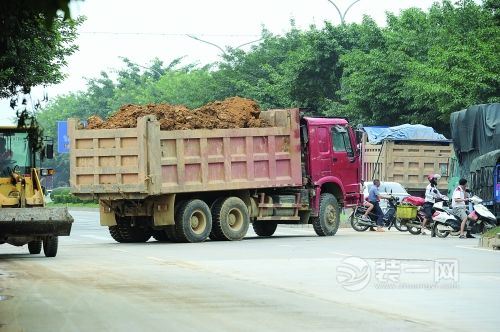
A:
403	132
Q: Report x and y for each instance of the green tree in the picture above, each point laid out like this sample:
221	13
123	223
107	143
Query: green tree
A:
33	46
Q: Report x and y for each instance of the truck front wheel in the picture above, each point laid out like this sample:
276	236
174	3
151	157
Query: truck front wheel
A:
231	219
35	247
193	221
328	221
50	244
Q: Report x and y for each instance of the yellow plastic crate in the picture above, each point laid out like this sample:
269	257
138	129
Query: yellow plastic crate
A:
406	212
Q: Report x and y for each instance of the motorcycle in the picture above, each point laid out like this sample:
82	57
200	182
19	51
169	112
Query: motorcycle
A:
484	219
389	218
414	226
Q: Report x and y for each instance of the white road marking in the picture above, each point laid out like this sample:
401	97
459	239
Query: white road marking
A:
475	248
96	237
120	250
339	253
156	259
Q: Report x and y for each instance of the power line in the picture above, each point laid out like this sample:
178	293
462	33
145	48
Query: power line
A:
164	34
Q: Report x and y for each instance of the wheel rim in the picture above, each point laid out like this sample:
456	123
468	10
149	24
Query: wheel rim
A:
198	222
330	216
235	219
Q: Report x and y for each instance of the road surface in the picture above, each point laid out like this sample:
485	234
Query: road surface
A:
294	281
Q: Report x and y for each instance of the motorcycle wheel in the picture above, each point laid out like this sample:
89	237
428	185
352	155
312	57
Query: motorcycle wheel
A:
440	234
355	223
399	226
414	230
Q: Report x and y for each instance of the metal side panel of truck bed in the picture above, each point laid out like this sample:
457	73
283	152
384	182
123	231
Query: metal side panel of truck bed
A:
143	161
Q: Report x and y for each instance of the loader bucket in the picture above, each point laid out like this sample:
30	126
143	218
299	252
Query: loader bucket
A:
37	221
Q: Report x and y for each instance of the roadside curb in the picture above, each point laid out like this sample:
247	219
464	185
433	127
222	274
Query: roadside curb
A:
490	243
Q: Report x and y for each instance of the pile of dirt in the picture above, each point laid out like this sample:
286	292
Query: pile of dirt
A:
235	112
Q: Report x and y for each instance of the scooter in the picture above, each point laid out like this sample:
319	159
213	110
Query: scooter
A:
484	219
389	218
445	223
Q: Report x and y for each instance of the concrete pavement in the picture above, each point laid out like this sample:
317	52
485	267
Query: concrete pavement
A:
292	281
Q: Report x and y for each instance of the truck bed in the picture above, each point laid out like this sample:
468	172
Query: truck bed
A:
408	162
143	161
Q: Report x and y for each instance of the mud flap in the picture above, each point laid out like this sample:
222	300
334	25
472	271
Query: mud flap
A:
37	221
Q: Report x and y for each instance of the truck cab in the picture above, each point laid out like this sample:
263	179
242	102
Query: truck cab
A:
332	159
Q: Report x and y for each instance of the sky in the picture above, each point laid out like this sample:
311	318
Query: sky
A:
148	29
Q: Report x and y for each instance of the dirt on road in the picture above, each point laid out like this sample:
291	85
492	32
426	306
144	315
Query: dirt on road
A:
235	112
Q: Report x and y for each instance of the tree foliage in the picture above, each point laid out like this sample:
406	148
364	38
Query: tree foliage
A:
34	44
419	68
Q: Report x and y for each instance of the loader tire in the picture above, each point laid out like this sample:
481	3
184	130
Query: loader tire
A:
50	244
193	221
231	219
35	247
264	228
328	221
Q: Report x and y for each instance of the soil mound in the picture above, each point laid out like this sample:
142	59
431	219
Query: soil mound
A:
235	112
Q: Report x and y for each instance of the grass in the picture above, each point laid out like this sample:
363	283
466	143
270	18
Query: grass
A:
492	232
86	205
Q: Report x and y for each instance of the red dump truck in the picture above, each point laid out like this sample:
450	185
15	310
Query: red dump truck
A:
190	185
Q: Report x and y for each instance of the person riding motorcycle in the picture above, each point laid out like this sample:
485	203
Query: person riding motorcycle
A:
431	194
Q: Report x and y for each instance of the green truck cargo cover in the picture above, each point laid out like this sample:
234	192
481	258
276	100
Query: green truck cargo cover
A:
475	132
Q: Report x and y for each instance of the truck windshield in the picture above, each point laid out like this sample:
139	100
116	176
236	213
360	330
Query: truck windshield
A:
14	152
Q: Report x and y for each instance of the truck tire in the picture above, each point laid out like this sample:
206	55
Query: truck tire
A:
328	221
160	235
170	232
114	231
50	244
128	233
264	228
193	221
231	219
35	247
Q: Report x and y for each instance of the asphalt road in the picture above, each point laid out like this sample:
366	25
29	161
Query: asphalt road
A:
294	281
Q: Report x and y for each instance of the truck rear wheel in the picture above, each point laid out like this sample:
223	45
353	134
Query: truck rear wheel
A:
193	221
35	247
264	228
114	231
160	235
231	220
170	232
50	244
328	221
124	232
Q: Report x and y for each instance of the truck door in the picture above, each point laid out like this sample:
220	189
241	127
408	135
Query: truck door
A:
345	161
323	164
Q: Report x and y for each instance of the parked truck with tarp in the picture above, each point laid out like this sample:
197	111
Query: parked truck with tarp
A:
194	184
476	138
24	216
406	154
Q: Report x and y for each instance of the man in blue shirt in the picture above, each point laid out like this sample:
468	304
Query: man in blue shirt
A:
374	198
